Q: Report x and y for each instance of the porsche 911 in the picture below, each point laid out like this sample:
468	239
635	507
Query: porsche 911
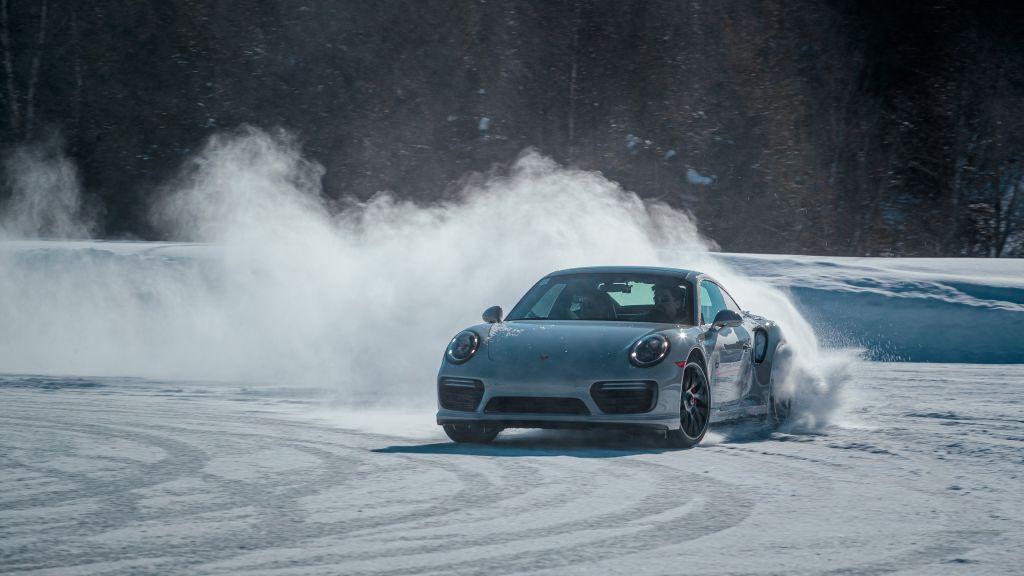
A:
639	348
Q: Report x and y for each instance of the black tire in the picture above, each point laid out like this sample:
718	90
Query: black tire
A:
471	433
694	408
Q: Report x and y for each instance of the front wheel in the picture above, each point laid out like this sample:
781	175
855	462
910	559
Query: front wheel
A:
694	409
471	433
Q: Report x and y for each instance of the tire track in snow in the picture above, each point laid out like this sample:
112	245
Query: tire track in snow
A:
202	486
125	479
191	447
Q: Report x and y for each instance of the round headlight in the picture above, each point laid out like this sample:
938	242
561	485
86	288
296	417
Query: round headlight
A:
649	350
462	347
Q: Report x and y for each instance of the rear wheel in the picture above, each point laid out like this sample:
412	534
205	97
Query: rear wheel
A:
694	408
778	408
779	405
471	433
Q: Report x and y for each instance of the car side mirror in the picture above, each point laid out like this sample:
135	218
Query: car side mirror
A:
492	315
727	318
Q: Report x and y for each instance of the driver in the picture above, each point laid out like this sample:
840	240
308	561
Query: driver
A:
669	305
594	306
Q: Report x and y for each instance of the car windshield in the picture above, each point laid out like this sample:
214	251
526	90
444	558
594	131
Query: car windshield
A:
623	297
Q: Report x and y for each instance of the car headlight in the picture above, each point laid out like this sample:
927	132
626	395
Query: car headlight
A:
649	350
462	347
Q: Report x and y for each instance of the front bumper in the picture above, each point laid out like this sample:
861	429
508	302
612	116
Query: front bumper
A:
559	402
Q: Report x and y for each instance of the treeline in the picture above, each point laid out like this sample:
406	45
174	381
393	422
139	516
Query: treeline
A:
843	127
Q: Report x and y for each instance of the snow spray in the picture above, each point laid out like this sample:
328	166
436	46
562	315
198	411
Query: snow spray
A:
278	286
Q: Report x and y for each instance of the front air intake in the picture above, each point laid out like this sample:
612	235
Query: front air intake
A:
624	397
461	394
535	405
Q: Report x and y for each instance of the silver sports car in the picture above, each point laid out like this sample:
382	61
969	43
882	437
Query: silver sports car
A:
623	347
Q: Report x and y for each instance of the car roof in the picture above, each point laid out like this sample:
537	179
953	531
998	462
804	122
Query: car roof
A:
688	274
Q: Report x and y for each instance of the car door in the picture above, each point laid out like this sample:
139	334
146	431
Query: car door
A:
726	348
743	348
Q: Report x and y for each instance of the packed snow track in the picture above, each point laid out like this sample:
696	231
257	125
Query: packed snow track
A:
108	476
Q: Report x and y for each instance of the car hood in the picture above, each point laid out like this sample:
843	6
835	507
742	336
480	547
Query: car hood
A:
568	341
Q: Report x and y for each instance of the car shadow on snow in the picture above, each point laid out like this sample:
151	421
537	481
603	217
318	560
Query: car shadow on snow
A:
579	443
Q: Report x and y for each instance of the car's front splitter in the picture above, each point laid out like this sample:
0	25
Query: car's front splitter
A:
637	421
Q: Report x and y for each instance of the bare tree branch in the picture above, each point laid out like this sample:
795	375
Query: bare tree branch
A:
5	41
34	78
572	84
1006	225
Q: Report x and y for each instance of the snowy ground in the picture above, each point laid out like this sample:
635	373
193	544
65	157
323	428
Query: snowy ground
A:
891	468
922	476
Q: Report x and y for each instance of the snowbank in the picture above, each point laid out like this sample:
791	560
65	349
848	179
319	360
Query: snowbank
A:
921	310
911	309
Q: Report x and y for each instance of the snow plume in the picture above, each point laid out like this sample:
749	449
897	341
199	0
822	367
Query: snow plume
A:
816	378
367	297
42	192
361	300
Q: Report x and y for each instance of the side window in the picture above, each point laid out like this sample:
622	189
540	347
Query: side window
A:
730	303
711	302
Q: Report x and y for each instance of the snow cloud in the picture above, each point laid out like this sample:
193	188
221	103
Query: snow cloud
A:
360	299
42	191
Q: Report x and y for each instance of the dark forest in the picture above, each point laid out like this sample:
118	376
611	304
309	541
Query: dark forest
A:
804	127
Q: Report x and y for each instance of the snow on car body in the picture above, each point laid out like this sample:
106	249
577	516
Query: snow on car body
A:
591	347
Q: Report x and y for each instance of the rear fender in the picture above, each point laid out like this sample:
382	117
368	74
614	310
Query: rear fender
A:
778	355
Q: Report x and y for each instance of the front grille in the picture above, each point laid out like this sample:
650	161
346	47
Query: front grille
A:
624	397
461	394
535	405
